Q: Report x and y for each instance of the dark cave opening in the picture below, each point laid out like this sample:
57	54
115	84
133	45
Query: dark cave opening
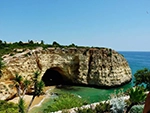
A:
53	77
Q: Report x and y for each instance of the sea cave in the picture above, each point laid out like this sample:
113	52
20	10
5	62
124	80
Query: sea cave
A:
54	76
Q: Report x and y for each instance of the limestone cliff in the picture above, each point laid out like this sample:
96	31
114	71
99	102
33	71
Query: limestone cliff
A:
87	66
100	67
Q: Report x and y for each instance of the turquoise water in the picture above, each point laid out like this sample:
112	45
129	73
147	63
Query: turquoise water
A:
92	94
136	60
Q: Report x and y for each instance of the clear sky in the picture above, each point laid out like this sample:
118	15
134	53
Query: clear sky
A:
117	24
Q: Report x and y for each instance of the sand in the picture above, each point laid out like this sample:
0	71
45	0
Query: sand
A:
37	101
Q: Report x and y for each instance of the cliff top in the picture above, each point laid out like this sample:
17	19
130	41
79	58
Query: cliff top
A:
19	47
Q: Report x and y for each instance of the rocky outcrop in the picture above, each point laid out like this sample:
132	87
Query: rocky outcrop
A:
100	67
7	90
85	66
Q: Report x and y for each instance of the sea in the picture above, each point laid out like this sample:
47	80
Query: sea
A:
137	60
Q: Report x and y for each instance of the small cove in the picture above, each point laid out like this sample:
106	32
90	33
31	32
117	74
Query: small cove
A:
88	93
91	94
136	60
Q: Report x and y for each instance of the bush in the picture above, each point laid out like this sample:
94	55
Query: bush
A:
6	107
142	77
137	96
137	109
2	65
117	102
65	101
86	110
103	107
118	105
99	108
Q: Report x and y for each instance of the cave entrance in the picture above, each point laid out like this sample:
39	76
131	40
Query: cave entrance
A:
53	76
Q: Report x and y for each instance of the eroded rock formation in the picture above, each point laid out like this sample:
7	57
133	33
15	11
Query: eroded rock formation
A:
85	66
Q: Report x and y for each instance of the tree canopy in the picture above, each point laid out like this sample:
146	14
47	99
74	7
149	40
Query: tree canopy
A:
142	77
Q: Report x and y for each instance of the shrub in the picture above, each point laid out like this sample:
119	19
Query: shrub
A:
6	107
103	107
99	108
10	110
117	102
142	77
109	53
137	96
137	109
65	101
2	65
86	110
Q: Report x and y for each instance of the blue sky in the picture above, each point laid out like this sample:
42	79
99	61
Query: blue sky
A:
123	25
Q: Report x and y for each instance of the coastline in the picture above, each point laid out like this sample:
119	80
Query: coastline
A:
41	100
38	100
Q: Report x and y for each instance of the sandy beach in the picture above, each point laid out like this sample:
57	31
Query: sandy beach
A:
37	101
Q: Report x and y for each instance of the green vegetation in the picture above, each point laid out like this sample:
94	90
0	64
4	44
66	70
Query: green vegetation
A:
100	108
21	105
117	102
86	110
1	66
55	44
65	101
137	109
38	88
103	107
137	96
12	48
22	86
6	107
142	77
110	53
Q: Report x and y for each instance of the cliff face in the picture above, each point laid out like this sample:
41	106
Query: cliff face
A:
87	66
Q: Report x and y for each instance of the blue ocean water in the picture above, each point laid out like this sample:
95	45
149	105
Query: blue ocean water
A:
136	61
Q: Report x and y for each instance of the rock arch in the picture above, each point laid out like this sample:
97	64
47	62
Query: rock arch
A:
100	67
54	76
